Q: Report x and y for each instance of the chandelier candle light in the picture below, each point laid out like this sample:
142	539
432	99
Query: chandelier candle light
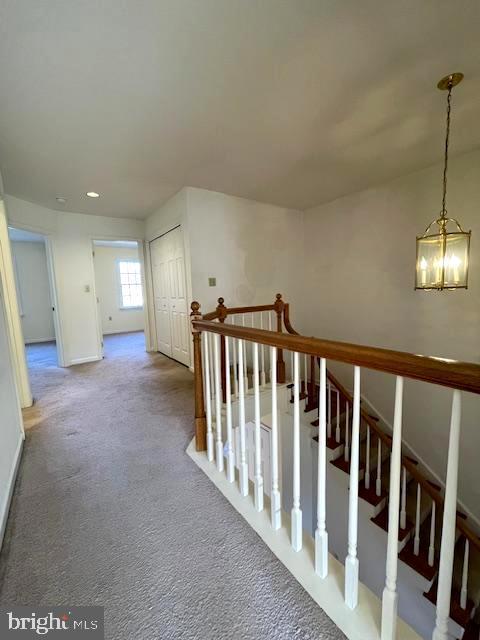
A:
442	258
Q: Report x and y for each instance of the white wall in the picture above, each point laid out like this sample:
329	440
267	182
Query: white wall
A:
358	287
30	260
11	433
252	249
71	236
113	318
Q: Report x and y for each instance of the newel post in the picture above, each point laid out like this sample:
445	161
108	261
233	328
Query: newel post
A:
279	306
200	418
222	315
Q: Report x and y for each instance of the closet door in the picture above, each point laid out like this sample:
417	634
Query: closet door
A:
161	287
179	317
172	318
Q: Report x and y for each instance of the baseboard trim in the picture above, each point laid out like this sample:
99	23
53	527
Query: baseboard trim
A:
112	333
11	485
84	360
35	340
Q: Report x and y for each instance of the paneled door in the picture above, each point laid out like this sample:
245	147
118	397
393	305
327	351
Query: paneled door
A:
171	308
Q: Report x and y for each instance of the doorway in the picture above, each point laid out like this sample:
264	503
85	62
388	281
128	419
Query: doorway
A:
36	297
120	293
170	297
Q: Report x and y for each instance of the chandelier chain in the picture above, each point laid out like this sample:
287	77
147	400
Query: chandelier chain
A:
447	140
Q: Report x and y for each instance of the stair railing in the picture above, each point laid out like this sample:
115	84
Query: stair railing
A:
457	376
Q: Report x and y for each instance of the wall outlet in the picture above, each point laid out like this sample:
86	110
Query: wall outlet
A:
212	282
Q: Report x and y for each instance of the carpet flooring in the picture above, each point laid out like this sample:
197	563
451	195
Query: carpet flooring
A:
109	510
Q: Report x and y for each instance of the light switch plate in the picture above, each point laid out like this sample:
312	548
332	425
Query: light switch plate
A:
212	282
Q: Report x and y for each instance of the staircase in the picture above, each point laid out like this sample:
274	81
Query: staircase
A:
419	536
431	546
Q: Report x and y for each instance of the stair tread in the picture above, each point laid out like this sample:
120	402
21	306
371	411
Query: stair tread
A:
343	465
472	631
457	614
461	616
382	521
419	563
370	495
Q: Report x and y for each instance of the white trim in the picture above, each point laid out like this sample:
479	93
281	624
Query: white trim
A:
14	325
115	331
35	340
359	624
84	360
5	508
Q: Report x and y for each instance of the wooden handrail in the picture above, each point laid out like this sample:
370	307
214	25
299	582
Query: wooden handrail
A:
464	376
411	467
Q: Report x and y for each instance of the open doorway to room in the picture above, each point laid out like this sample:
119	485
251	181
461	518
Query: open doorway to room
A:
36	298
119	289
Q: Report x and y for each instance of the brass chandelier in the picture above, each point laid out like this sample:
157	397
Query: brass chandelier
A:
442	257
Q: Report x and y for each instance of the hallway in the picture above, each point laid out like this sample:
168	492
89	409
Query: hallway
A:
109	510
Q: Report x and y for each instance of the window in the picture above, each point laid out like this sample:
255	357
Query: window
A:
130	276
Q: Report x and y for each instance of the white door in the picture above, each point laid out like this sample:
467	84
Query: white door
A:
179	318
171	309
160	293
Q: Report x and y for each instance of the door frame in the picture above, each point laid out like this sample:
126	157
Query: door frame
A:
53	287
143	268
188	284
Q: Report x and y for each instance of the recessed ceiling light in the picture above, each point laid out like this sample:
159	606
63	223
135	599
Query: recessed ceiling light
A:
93	194
61	200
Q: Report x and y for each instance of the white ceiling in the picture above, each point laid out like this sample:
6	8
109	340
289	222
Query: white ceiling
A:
293	102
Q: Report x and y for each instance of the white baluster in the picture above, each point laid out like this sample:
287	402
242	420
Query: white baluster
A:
228	393
390	595
208	397
378	483
244	359
272	366
263	377
321	535
258	495
416	539
235	369
431	547
292	365
218	406
296	511
212	374
463	591
329	418
403	511
447	547
242	465
275	503
347	433
337	430
305	378
351	562
367	461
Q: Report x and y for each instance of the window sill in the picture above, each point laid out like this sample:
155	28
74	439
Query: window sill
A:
130	308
